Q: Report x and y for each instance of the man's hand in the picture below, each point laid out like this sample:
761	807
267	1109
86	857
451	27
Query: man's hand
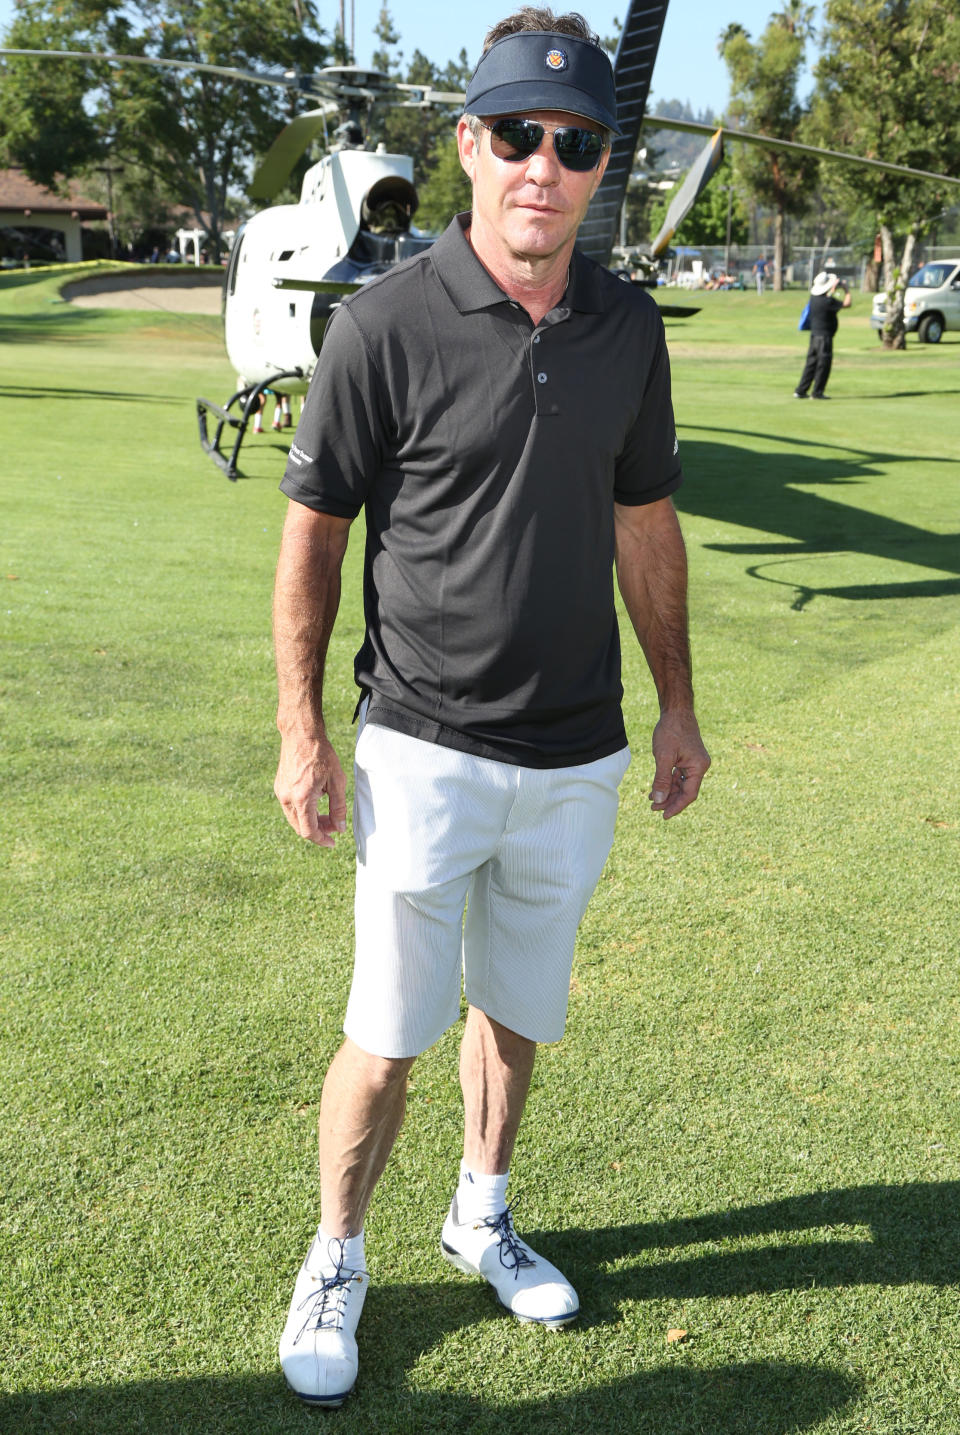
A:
681	759
309	768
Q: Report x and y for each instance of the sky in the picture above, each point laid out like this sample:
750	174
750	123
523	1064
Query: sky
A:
687	68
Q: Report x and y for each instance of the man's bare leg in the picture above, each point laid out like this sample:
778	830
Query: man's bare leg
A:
496	1066
361	1112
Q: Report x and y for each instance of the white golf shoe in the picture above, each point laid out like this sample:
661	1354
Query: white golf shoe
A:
530	1287
318	1348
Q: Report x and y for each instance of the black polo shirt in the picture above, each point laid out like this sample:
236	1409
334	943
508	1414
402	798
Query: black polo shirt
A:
488	454
823	313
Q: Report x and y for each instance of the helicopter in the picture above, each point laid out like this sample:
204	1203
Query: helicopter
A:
292	264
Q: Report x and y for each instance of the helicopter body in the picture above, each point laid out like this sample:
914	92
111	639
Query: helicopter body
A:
292	263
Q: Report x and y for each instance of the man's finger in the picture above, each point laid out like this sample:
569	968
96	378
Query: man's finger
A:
309	824
663	784
338	803
673	794
686	789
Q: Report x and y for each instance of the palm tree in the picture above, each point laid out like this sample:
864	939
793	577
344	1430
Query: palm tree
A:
796	18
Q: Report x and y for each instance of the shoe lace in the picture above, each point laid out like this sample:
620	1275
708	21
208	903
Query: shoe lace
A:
513	1256
324	1305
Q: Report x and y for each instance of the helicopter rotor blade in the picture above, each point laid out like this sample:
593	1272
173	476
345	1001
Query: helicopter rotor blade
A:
695	127
274	169
425	95
349	82
285	81
632	68
697	178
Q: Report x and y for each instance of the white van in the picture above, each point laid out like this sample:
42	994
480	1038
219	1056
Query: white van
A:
931	303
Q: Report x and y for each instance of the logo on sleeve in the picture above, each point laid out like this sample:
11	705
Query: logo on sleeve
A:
556	60
676	445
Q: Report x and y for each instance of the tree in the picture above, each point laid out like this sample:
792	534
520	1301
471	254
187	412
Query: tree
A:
764	83
383	59
193	133
889	87
796	18
447	190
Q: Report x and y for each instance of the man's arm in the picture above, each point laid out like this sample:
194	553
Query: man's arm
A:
652	575
305	601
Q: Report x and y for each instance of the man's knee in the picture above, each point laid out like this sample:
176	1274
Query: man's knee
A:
377	1074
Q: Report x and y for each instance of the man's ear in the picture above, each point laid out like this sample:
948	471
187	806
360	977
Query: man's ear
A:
467	148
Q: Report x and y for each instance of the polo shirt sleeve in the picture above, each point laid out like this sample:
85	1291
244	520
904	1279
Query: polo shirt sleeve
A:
648	466
342	436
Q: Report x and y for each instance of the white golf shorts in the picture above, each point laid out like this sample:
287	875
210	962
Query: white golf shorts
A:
466	864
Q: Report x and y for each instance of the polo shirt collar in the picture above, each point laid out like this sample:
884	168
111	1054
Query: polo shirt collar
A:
460	271
471	287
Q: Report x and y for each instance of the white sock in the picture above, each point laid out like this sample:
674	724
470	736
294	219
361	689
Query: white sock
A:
479	1195
328	1248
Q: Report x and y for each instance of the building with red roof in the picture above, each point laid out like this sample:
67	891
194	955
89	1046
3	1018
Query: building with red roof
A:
26	205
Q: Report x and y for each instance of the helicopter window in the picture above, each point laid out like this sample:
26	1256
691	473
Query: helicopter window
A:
287	254
234	261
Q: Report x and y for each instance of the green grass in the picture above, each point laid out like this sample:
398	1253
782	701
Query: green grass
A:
751	1130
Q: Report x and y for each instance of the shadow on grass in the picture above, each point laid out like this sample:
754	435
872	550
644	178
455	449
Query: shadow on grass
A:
56	322
865	1235
755	1398
24	391
868	1235
910	394
765	492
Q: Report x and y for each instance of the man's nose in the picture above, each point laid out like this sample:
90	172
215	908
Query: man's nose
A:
543	167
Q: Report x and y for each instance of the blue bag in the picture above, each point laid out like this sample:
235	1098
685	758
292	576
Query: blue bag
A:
805	317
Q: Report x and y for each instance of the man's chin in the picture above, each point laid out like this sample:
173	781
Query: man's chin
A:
539	238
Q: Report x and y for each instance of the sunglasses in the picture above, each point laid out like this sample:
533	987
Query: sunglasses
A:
515	140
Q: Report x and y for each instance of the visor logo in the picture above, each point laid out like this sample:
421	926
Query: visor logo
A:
556	60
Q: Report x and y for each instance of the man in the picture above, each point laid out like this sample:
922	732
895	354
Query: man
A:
760	270
500	406
824	308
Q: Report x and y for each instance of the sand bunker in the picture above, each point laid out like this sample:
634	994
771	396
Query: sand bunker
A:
192	292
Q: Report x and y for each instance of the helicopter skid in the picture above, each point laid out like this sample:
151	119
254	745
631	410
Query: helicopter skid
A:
248	401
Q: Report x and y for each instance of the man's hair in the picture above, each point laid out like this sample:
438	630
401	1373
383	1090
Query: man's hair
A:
532	17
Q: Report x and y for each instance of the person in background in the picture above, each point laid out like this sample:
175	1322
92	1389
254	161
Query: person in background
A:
825	305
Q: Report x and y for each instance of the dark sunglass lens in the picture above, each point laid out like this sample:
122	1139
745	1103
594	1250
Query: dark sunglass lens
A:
515	139
578	149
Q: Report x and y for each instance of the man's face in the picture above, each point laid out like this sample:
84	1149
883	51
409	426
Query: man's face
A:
532	207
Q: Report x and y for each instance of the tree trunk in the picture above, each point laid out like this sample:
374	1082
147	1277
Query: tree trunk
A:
894	333
889	258
778	250
827	246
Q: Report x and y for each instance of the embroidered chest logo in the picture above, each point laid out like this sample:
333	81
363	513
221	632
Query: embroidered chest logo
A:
556	60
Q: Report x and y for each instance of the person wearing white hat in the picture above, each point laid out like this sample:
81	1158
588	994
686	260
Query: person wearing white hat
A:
824	308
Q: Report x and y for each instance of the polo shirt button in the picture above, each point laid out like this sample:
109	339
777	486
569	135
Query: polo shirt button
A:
536	338
541	378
